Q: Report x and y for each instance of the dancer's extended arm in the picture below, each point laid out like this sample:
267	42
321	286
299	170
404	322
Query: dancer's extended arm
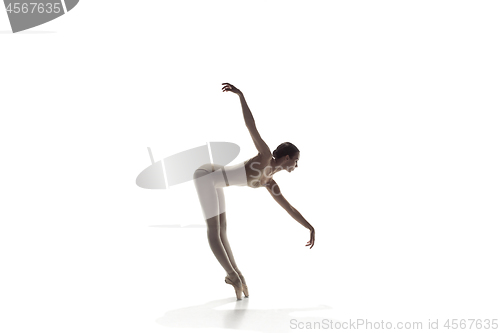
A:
261	146
275	192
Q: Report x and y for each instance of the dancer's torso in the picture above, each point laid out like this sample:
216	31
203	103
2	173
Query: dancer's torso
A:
251	172
257	171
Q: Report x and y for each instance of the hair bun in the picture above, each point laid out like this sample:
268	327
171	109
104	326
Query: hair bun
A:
286	148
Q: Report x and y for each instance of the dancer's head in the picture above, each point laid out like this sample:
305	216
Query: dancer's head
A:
287	155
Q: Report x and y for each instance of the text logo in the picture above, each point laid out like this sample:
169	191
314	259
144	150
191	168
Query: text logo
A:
28	14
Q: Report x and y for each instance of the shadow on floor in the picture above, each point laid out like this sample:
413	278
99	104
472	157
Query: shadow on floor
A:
240	317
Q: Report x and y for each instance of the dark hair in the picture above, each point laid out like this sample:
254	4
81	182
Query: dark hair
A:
286	148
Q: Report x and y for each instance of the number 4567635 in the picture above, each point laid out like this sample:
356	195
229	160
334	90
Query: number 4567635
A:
34	7
471	323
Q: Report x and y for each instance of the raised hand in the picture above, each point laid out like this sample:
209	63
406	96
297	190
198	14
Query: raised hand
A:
231	88
311	241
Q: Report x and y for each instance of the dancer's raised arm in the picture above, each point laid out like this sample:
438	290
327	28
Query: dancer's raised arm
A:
261	146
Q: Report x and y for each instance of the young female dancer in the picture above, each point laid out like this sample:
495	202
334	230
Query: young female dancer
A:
209	180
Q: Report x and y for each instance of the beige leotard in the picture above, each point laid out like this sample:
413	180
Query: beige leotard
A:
209	179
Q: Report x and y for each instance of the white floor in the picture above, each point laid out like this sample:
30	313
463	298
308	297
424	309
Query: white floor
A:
154	277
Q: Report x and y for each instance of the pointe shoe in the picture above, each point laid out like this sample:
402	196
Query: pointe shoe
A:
245	289
238	291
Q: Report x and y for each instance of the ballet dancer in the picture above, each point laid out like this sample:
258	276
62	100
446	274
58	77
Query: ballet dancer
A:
256	172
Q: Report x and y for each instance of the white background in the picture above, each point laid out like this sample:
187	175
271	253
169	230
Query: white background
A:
393	104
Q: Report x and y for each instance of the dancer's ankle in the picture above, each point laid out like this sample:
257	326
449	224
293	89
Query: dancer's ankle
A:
242	278
233	276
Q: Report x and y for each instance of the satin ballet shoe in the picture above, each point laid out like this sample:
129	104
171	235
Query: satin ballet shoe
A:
245	289
237	290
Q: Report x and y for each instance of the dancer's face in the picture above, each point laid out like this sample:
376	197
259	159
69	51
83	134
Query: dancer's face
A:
292	163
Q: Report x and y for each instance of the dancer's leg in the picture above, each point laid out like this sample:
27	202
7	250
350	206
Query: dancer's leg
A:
214	240
223	233
210	204
227	247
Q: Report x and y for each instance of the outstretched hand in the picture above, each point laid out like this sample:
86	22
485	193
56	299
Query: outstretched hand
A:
231	88
311	241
